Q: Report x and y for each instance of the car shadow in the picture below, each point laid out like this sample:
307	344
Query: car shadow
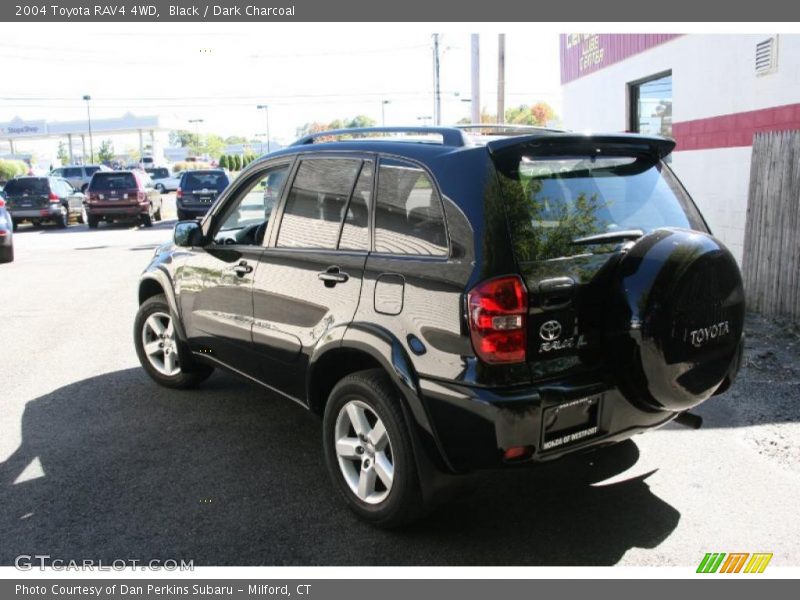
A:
116	467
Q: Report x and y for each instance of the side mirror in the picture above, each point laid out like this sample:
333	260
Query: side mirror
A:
187	233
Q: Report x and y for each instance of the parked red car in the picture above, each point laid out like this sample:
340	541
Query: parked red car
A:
122	195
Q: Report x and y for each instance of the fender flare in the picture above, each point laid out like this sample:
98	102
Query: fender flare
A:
162	278
388	351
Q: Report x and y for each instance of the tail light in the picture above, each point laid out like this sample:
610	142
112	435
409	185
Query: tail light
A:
498	319
179	193
53	198
2	203
141	196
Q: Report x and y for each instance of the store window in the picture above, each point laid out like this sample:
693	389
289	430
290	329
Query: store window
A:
651	105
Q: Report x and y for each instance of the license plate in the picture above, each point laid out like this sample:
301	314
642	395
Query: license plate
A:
571	422
205	198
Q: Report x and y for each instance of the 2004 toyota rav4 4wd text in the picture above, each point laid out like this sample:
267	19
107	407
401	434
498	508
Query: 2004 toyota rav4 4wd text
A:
450	302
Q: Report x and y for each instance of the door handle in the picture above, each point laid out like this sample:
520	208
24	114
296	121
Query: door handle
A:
332	276
242	269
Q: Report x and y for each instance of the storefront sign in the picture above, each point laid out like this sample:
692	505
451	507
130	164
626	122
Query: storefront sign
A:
584	53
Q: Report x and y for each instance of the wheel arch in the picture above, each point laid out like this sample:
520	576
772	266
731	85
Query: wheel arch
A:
157	282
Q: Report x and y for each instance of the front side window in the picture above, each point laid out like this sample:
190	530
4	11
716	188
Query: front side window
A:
247	218
317	202
409	218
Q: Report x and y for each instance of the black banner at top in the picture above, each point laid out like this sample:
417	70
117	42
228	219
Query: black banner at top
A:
408	11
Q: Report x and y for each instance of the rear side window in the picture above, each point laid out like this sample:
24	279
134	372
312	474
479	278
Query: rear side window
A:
194	180
113	181
355	229
408	217
27	185
89	171
317	202
72	172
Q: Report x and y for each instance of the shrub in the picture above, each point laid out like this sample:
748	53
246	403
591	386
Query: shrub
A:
223	162
189	166
12	168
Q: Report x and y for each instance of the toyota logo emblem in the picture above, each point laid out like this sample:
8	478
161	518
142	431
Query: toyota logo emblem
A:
550	330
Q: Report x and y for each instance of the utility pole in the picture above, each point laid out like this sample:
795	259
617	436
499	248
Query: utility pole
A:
501	77
437	97
383	112
475	63
265	108
88	98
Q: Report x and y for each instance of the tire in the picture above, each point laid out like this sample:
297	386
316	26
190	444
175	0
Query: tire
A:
7	254
62	221
157	214
146	220
371	395
92	221
14	225
160	188
161	365
182	216
83	188
82	216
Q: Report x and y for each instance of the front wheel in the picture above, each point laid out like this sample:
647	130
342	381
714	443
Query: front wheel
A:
368	450
146	220
62	220
159	349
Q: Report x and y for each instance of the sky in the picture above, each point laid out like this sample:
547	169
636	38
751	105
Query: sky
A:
220	72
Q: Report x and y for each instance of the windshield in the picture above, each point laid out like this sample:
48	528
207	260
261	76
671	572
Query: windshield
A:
198	180
554	200
113	181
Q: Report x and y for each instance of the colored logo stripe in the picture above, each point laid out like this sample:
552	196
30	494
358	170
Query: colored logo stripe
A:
713	562
758	562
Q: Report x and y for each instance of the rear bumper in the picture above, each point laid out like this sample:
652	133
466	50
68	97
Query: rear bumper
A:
197	210
49	212
117	211
473	427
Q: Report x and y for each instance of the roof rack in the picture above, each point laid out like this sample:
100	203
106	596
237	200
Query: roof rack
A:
506	129
450	136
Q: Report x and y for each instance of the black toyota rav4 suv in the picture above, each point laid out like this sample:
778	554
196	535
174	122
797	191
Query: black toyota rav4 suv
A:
449	302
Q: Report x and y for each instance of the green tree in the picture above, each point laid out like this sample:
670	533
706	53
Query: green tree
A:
538	114
360	121
223	162
237	162
62	155
106	151
183	138
235	139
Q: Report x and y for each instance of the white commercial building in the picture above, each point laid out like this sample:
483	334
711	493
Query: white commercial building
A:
711	93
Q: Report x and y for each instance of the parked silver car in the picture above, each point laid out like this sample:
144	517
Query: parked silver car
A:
163	181
78	175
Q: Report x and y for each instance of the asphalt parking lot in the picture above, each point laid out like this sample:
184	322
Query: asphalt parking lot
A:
98	462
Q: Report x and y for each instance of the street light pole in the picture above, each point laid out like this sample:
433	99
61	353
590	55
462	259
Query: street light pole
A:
196	132
383	112
87	98
265	108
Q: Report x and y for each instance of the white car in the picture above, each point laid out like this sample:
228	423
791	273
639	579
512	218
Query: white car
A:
163	181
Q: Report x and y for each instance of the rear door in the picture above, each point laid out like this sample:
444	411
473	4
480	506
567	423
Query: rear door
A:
573	202
27	193
309	279
73	198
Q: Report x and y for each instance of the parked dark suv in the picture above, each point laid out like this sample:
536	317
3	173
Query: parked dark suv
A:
451	306
122	195
43	200
198	190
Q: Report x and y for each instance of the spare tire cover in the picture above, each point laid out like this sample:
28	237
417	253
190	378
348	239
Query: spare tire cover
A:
676	320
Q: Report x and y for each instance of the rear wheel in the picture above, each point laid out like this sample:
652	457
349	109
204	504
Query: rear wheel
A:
182	216
14	225
92	221
62	220
6	254
160	352
146	220
368	450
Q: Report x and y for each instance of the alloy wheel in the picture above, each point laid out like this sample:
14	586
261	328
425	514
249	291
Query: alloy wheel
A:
364	452
160	344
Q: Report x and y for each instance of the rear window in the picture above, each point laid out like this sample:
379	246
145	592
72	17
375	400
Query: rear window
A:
27	185
552	200
89	170
160	173
113	181
198	180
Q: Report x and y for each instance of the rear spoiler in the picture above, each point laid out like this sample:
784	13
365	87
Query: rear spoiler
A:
624	142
